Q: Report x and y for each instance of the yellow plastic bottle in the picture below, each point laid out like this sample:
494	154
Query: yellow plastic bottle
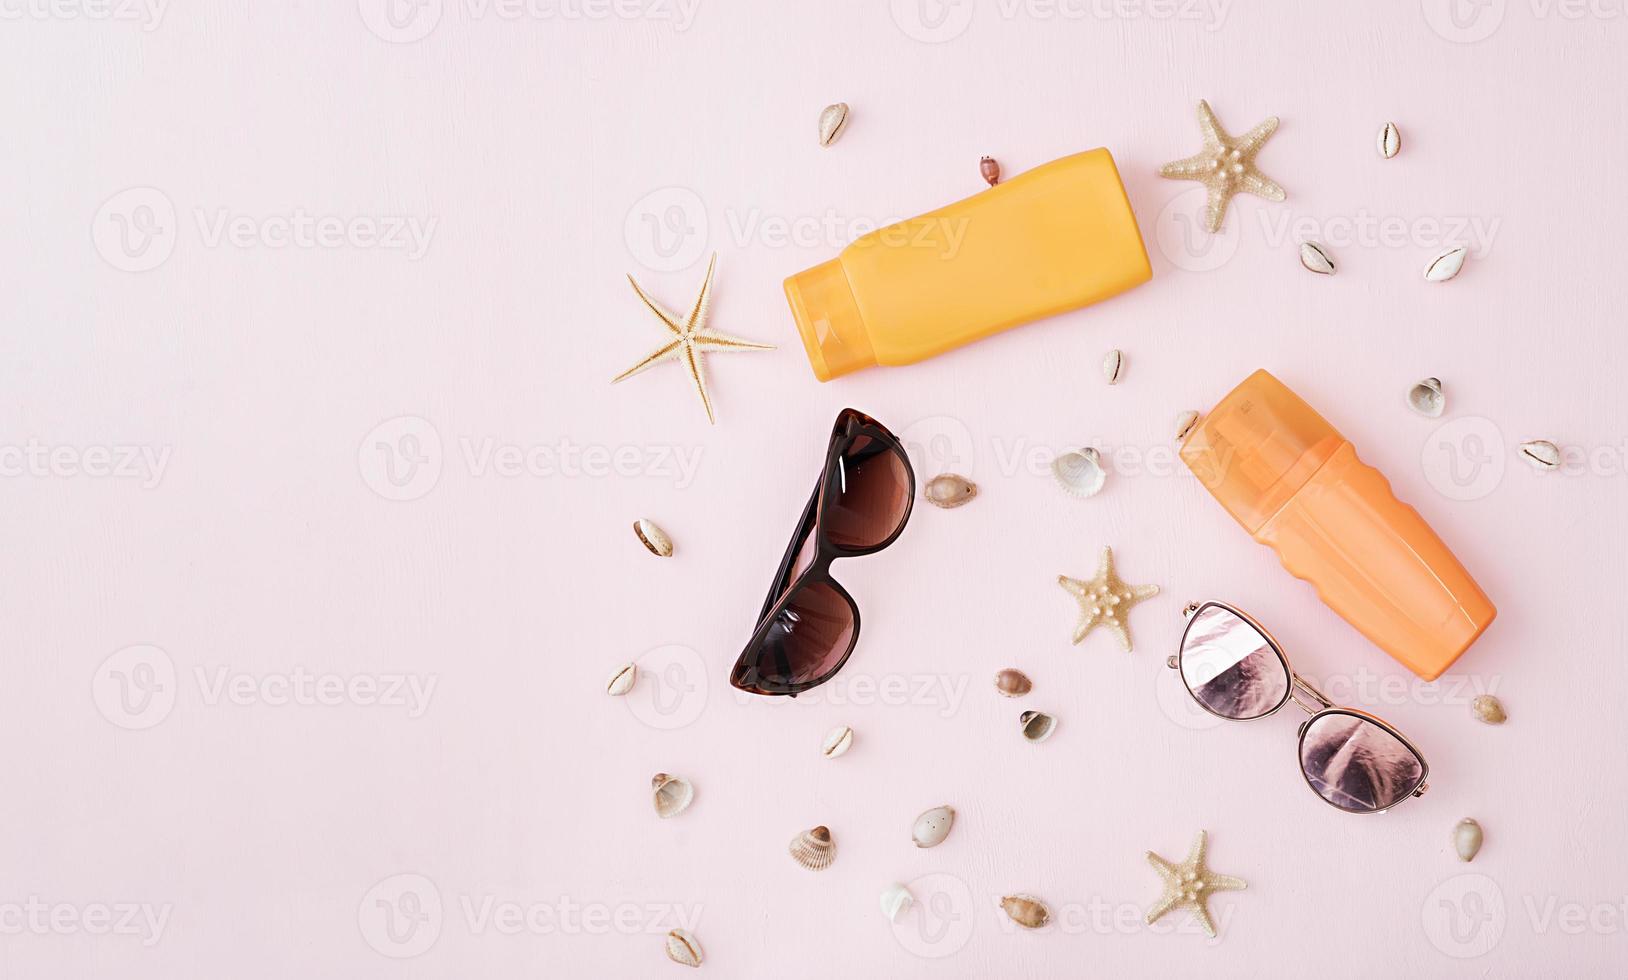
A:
1056	238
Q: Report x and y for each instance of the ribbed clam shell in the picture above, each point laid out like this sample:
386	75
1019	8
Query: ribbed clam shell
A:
1427	398
813	849
671	795
1080	473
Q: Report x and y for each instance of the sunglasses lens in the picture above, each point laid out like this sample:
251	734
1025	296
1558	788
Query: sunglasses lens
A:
1230	667
1357	765
867	494
804	643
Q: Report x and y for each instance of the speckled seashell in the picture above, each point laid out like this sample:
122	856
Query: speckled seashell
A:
1037	725
837	741
1488	709
1541	454
1184	424
1467	839
1113	365
622	681
654	539
1314	258
933	826
833	120
1446	265
949	490
813	849
1026	910
1080	473
1427	398
683	949
1013	683
896	901
670	795
1389	141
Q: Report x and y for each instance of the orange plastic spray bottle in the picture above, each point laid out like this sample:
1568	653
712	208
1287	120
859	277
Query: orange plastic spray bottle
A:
1297	485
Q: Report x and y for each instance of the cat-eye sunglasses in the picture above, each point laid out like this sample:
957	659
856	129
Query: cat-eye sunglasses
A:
1235	670
809	624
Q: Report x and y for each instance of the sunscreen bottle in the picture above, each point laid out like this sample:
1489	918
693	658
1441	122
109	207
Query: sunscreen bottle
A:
1297	486
1056	238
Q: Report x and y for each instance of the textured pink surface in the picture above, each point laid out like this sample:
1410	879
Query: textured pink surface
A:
265	805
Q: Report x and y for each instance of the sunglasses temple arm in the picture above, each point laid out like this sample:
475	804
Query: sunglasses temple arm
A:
1298	686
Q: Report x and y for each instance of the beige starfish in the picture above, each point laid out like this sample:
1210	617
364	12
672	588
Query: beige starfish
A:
1225	166
1105	600
1190	884
690	339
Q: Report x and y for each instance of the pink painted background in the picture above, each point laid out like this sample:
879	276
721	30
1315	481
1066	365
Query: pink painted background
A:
214	618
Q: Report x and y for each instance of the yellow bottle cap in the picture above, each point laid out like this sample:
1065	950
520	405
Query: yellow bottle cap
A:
828	319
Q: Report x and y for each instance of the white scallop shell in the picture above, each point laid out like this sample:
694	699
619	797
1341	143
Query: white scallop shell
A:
1080	473
933	826
622	681
896	901
683	949
1446	265
1427	398
671	795
1314	258
837	741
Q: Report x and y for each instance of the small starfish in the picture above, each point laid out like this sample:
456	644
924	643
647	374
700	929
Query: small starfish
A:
1105	600
690	339
1225	166
1190	884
